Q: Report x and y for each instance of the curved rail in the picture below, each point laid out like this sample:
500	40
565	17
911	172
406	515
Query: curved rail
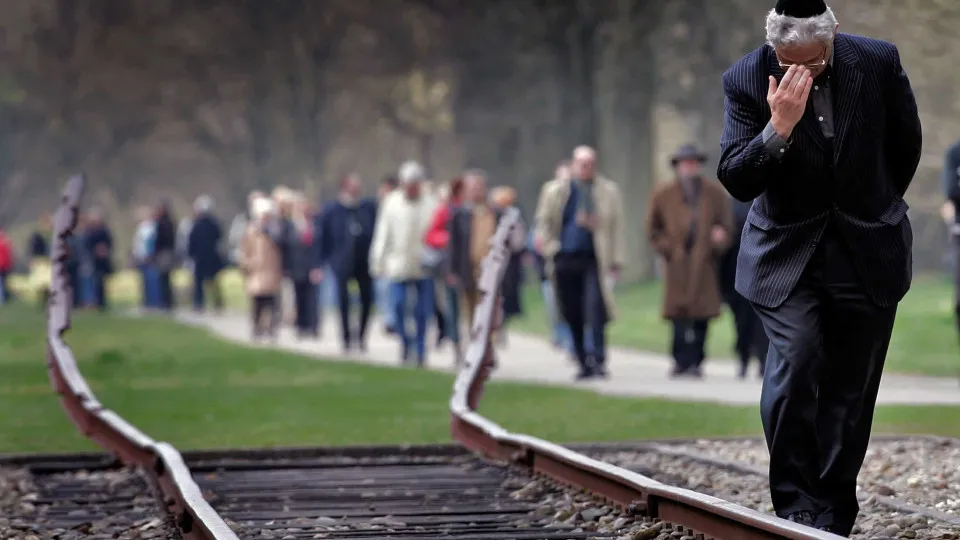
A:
709	516
195	518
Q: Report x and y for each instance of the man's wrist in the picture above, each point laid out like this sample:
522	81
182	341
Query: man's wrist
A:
782	130
775	144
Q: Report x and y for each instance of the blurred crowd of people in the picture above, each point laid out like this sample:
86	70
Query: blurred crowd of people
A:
413	253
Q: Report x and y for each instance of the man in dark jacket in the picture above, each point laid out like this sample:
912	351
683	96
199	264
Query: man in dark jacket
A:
296	236
822	129
99	243
751	339
203	249
346	233
164	254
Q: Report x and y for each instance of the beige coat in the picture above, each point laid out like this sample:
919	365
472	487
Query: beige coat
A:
608	237
261	261
398	237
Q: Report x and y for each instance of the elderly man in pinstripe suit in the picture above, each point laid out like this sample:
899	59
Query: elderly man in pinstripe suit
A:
822	129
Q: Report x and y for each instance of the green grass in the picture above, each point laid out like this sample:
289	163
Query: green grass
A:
924	339
181	385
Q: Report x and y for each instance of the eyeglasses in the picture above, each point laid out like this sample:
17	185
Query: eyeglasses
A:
809	65
812	65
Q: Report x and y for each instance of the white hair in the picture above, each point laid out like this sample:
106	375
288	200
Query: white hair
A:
411	171
204	203
786	30
584	152
261	207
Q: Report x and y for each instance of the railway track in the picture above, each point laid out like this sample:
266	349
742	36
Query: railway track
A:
76	498
496	485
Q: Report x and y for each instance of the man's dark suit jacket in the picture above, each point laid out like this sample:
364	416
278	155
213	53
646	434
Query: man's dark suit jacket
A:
333	229
857	181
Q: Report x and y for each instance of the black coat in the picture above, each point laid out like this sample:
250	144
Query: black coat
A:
856	182
95	237
299	255
166	239
203	247
345	251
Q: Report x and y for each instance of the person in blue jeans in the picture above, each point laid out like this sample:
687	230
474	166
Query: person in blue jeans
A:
381	286
397	253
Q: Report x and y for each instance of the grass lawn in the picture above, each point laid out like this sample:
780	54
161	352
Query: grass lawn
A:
180	385
924	339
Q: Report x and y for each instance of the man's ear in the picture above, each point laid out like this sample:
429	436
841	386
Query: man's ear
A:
836	27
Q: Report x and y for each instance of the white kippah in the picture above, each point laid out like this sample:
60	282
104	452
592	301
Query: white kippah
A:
411	171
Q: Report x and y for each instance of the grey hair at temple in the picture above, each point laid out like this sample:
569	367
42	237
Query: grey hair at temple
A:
785	30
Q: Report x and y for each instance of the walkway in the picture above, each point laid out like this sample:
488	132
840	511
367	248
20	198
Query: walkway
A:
531	359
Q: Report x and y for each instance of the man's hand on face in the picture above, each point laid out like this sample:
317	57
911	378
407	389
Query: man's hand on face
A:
788	99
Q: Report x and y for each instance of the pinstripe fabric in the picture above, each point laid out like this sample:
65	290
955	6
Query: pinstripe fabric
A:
858	180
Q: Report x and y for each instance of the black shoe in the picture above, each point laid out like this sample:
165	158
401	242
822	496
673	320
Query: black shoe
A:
802	518
585	373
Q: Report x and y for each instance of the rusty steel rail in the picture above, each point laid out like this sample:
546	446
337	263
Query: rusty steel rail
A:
708	516
195	518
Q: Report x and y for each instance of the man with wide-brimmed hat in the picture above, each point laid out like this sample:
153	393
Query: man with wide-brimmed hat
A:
821	129
689	223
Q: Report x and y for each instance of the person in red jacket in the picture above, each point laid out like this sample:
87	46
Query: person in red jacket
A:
438	238
6	265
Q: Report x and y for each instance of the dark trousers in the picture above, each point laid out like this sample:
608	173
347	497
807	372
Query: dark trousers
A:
956	279
365	284
689	344
76	286
441	319
100	289
200	285
752	341
166	291
265	307
828	343
580	300
305	307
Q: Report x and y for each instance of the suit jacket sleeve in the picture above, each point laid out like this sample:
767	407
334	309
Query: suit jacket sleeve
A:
904	138
746	164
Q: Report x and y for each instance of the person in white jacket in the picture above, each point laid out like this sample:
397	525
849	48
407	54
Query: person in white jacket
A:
397	254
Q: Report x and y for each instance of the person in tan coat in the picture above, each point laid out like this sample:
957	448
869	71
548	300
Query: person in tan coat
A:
262	264
689	223
579	226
